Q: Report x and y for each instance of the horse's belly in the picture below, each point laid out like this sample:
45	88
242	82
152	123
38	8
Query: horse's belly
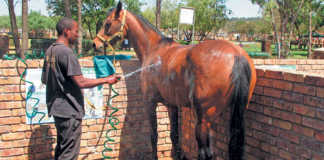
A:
176	93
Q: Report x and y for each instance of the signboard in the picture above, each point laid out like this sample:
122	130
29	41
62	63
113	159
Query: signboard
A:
186	16
36	109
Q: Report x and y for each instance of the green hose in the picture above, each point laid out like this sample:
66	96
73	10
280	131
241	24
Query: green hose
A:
30	91
113	121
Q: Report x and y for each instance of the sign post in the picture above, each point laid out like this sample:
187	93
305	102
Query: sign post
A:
187	17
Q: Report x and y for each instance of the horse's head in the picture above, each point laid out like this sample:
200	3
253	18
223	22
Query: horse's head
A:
113	30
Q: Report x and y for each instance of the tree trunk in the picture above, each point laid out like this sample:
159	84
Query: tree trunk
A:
14	28
24	28
310	35
80	27
275	32
67	8
158	13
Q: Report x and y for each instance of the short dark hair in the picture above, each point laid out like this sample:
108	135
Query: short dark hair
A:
64	23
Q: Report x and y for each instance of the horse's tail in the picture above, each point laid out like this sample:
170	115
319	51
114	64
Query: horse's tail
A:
241	77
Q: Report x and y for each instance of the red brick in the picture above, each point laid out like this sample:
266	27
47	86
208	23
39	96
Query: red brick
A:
289	136
4	129
320	136
320	114
313	123
11	97
13	136
9	80
284	85
11	152
283	115
282	124
305	89
5	113
10	120
283	105
10	89
264	82
303	130
314	101
272	92
260	72
304	110
274	74
10	105
320	92
293	77
292	97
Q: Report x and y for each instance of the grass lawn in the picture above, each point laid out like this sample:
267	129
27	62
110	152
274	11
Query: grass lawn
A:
295	53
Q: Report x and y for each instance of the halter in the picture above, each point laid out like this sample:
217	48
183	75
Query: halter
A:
120	33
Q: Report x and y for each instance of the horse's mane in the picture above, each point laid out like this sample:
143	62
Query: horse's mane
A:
147	24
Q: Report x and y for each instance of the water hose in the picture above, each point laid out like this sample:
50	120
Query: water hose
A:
113	121
30	91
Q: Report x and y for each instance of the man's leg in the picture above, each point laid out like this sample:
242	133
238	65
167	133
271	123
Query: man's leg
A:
68	138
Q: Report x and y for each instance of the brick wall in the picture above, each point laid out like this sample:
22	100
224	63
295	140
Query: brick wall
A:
35	142
309	66
284	121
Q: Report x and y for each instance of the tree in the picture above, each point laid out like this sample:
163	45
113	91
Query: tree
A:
24	28
67	7
209	15
39	23
286	12
14	28
93	12
158	14
133	5
80	27
169	21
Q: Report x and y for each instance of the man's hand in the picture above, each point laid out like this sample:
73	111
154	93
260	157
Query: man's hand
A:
112	79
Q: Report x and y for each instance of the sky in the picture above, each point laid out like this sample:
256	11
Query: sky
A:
240	8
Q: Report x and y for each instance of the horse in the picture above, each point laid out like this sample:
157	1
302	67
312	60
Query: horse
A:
208	77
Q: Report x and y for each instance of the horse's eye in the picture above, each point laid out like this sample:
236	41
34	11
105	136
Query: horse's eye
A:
107	26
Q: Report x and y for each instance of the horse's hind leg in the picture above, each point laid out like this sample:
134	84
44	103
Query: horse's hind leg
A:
202	136
150	108
174	119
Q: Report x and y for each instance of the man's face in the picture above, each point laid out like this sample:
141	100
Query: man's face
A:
73	34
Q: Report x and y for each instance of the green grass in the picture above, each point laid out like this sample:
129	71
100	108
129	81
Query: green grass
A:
295	53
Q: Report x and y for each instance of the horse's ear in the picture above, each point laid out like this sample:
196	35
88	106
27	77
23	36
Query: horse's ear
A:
118	9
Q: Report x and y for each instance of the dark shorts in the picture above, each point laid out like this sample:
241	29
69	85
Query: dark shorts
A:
68	138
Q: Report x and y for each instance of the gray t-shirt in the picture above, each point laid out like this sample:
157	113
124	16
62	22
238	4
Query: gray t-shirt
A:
63	96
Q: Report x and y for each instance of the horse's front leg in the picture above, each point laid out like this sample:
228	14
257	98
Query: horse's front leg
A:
150	110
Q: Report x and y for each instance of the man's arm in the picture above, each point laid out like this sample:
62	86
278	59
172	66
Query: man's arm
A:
83	82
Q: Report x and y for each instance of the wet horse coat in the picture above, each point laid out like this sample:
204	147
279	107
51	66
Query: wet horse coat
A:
208	77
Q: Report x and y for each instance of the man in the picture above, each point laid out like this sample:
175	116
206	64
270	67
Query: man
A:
64	81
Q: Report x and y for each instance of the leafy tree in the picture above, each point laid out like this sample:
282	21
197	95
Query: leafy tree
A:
284	14
169	18
40	23
209	15
149	14
4	22
93	12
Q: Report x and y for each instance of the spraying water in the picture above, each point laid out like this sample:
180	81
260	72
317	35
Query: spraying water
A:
158	63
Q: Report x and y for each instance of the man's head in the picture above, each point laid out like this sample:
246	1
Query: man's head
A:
68	28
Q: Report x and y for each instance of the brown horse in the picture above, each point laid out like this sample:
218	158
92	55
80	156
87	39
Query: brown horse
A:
208	77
